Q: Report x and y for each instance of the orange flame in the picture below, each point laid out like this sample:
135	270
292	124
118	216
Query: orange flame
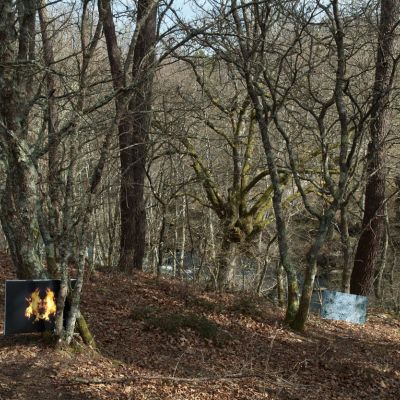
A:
41	308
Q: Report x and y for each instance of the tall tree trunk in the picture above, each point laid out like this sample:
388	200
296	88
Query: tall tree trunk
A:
133	214
369	245
281	229
134	116
55	185
20	197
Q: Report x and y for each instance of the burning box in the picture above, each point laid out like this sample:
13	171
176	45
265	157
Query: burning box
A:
31	305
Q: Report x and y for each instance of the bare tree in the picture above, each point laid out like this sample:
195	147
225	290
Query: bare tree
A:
132	80
369	244
40	208
20	193
281	51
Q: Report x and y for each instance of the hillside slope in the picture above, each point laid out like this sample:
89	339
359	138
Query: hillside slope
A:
165	340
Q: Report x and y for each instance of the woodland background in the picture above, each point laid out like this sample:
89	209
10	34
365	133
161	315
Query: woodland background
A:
241	146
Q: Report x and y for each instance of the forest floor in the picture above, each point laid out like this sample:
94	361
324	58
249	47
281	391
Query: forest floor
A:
165	340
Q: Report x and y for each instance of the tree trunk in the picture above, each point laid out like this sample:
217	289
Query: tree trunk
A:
378	281
19	221
134	226
299	321
225	271
160	249
55	184
261	275
293	288
369	245
265	266
280	284
346	249
134	115
84	331
20	197
181	264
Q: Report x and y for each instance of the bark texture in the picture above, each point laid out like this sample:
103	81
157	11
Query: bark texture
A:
226	264
369	244
133	105
19	196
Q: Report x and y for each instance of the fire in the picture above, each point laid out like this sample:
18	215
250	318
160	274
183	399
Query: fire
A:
34	304
41	308
49	304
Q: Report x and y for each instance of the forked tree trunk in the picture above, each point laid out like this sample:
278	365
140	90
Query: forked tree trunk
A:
369	245
133	206
134	115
